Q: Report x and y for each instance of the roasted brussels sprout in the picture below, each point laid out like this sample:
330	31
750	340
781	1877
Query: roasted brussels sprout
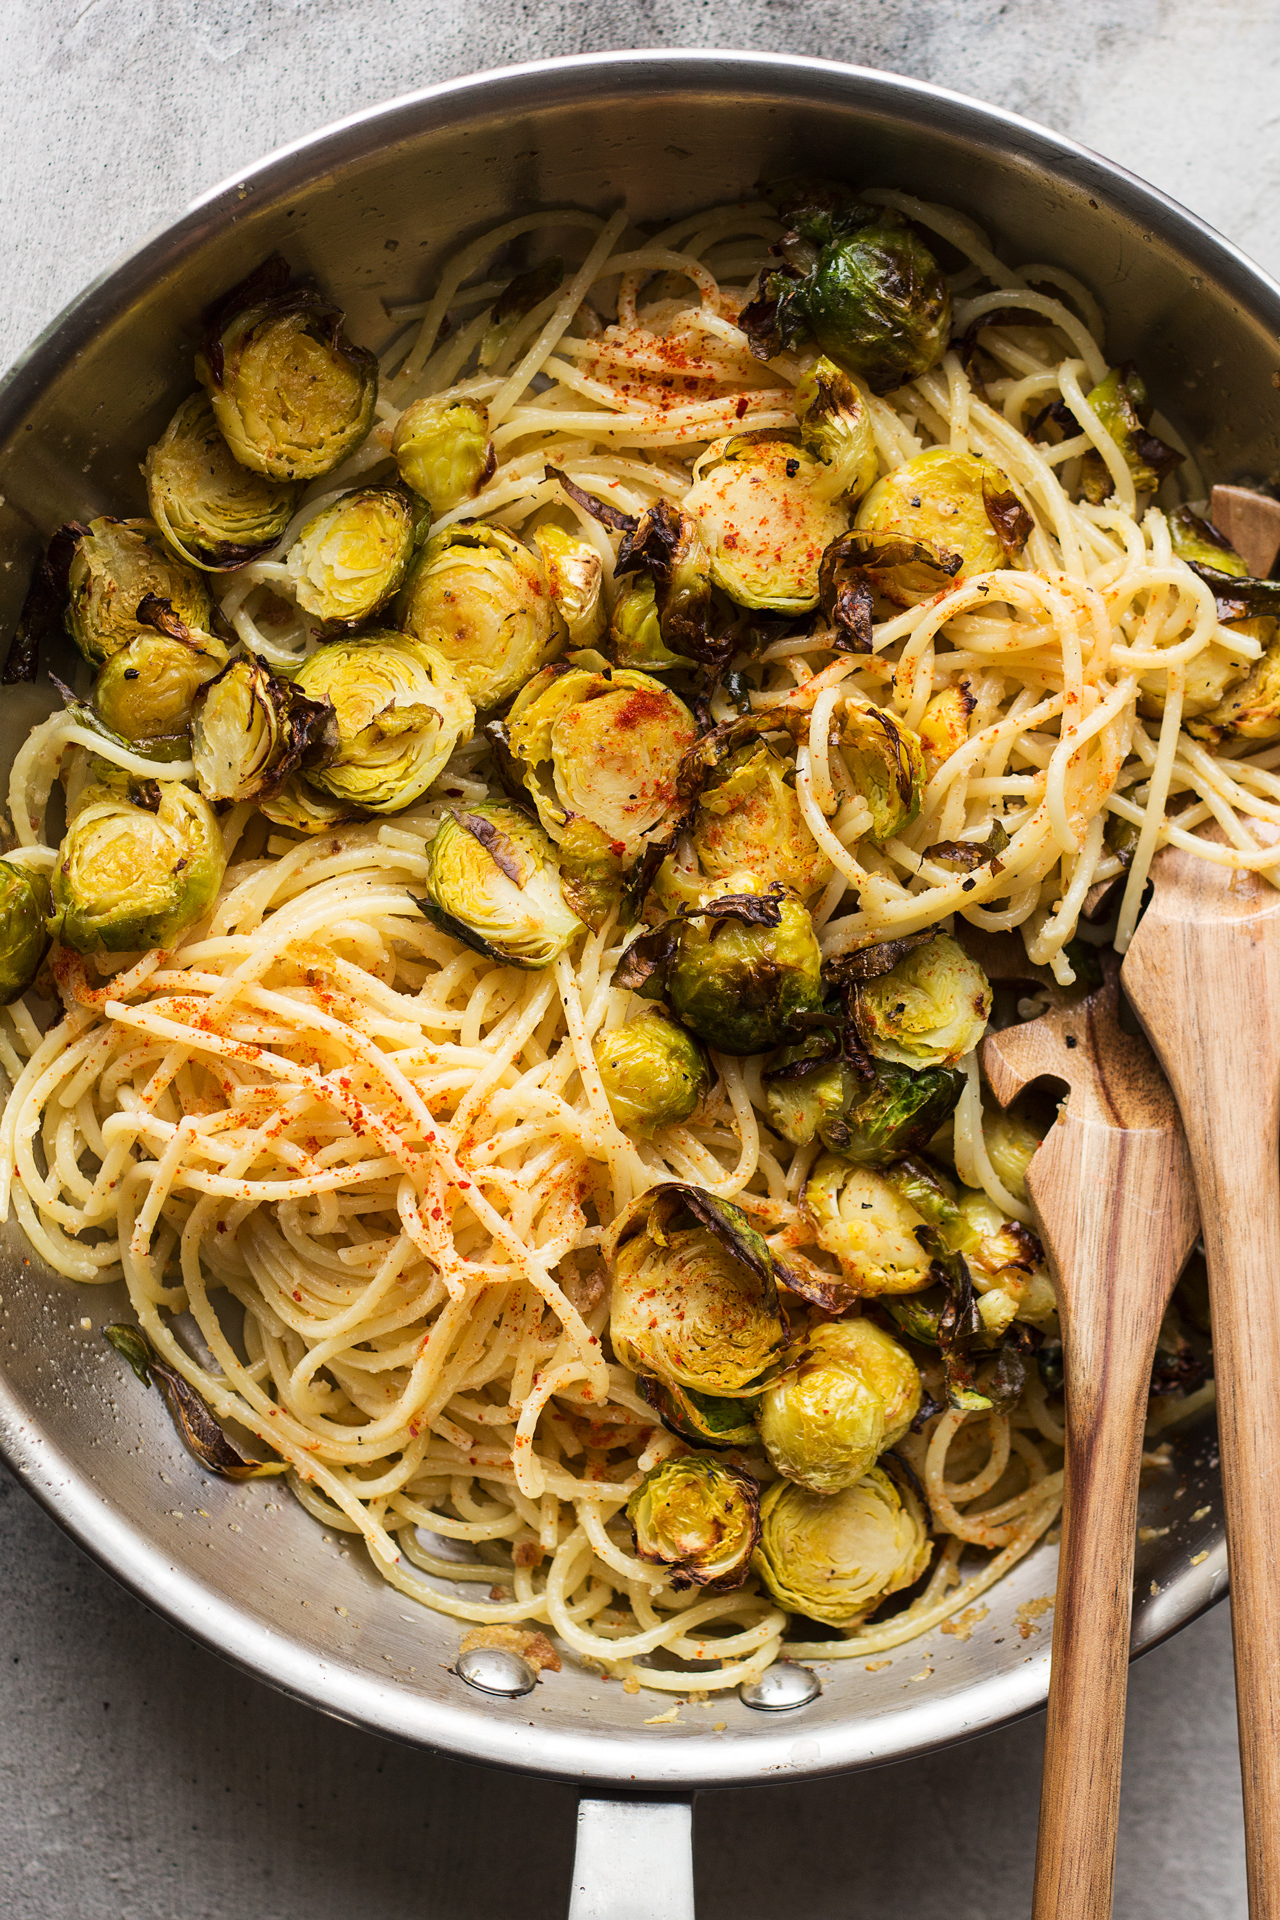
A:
886	764
24	940
940	508
635	632
128	877
944	727
480	596
694	1299
214	512
1200	544
144	693
575	574
299	805
929	1010
1120	402
666	546
401	712
652	1071
492	882
601	748
251	728
443	451
854	1393
700	1517
1006	1265
831	1557
700	1417
862	284
351	557
749	817
765	520
822	1424
1251	709
291	394
1011	1142
870	1228
116	565
872	1117
835	427
806	1090
739	970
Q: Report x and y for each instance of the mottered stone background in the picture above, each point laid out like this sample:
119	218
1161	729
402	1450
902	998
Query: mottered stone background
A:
140	1779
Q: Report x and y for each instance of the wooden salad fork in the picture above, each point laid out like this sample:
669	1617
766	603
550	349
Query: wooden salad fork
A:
1203	975
1112	1197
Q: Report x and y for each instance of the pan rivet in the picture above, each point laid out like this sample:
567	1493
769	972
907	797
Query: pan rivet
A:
494	1670
780	1688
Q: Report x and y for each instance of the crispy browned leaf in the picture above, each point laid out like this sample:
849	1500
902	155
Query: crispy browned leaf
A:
199	1430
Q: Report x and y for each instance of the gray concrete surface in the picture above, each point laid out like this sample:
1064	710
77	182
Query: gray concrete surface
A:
139	1778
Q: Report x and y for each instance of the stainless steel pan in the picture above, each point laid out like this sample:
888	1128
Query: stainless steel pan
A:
371	206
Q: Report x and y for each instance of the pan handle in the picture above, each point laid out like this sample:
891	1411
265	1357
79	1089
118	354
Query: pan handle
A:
634	1858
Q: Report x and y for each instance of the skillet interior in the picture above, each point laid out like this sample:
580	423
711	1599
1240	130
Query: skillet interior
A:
371	207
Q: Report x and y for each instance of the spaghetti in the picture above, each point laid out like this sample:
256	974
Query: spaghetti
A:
356	1176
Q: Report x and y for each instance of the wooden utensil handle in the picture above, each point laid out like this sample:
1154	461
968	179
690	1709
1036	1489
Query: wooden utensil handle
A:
1080	1789
1116	1234
1234	1155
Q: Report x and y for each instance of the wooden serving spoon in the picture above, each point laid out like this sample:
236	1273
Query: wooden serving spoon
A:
1203	975
1112	1197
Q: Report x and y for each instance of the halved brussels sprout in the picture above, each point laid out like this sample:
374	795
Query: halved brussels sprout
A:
835	427
24	939
863	284
1120	402
1251	709
806	1091
765	520
214	512
575	574
351	557
130	878
871	1120
822	1424
870	1228
144	693
832	1556
299	805
1207	681
653	1072
854	1393
480	596
944	727
291	394
604	748
694	1299
666	546
700	1517
116	565
749	817
936	1198
492	882
251	728
401	712
1200	544
635	632
944	503
739	970
1011	1143
885	1365
1006	1260
929	1010
886	764
443	451
700	1417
